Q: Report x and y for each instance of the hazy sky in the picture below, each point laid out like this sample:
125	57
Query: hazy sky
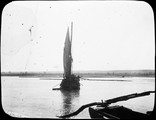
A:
106	35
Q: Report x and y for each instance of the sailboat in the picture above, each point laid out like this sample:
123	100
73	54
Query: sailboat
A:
70	81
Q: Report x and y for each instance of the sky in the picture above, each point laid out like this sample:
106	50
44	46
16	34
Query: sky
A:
106	35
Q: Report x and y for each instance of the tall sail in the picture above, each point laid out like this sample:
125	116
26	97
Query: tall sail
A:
70	81
67	57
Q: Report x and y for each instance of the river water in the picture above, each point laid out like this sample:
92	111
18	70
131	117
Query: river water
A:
34	97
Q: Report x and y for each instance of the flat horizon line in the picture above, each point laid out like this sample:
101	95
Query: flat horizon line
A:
78	71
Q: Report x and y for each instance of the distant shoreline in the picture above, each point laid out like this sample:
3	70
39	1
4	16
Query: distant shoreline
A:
115	73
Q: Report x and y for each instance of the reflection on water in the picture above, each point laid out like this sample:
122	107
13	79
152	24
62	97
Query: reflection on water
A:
69	99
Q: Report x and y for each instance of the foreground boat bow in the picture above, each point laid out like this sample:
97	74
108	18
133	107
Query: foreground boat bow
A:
116	112
103	110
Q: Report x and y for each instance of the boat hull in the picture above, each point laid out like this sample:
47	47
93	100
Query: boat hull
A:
70	83
116	112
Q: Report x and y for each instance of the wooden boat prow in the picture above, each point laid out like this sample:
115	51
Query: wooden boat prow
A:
116	112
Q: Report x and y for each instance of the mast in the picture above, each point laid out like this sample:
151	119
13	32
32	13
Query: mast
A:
71	32
71	45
